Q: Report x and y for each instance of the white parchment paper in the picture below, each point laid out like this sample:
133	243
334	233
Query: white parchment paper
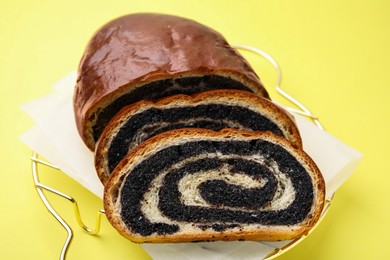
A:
55	137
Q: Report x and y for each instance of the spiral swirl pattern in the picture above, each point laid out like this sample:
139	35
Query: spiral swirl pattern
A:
212	185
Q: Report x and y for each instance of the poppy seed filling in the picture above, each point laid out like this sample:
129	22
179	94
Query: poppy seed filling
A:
222	210
159	89
153	121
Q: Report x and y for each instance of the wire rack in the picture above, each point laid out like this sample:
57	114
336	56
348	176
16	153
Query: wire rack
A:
42	188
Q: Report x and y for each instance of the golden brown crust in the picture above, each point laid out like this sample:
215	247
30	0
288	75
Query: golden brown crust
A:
140	48
266	234
235	97
271	233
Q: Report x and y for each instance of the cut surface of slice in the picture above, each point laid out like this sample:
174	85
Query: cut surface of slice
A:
200	185
213	110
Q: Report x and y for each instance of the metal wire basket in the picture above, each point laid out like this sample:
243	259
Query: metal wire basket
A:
42	188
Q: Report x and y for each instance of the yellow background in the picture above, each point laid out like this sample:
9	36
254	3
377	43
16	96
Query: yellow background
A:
335	58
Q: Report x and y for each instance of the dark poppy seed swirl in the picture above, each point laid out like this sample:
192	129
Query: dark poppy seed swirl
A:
219	167
213	110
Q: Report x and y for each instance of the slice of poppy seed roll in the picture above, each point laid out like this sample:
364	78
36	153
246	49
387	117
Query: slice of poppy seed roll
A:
200	185
213	110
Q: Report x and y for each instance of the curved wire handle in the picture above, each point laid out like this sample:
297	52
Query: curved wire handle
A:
41	188
303	110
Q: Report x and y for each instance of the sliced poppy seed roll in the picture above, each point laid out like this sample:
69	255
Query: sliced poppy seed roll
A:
199	185
213	110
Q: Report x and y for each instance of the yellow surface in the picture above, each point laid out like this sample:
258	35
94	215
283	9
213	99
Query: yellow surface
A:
335	57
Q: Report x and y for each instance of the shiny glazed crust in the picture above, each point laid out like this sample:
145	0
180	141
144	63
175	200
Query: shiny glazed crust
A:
266	233
136	49
227	97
